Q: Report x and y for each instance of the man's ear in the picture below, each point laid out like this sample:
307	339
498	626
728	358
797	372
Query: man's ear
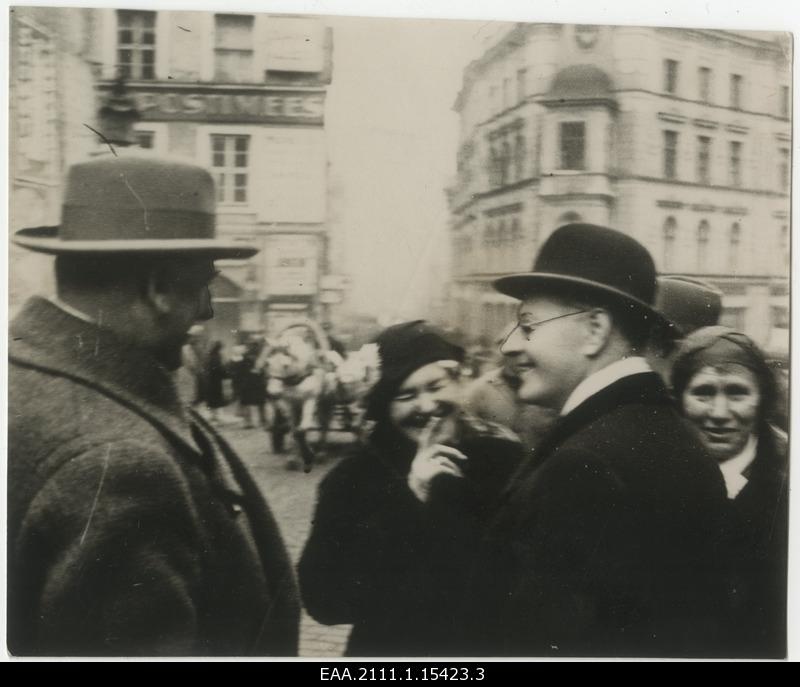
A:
598	332
157	292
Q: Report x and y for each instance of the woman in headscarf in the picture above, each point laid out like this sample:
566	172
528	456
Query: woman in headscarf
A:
396	523
728	392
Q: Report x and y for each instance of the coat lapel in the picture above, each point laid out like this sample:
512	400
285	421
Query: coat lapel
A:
641	388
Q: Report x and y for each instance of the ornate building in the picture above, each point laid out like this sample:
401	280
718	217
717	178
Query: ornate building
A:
680	137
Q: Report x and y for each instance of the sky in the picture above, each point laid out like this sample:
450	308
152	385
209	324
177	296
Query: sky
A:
392	137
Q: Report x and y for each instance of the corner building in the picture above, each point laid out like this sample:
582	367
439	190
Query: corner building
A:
679	137
244	96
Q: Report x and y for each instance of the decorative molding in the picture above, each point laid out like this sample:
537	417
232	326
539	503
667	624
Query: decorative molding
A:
783	137
703	207
705	123
503	210
674	118
737	128
780	214
670	204
736	211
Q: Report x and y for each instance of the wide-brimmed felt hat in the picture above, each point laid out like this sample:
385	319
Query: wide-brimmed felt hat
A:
135	204
589	259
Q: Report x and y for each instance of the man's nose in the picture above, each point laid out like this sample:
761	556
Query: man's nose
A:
720	408
426	403
513	343
205	311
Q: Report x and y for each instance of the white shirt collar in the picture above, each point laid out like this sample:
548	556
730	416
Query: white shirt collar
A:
55	300
603	378
733	468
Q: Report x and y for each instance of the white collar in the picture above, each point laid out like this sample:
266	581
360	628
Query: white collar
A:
733	468
603	378
55	300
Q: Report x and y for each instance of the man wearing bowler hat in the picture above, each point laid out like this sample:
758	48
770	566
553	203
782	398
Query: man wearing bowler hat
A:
133	528
606	541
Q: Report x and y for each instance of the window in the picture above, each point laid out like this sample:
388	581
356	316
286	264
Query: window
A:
229	159
671	76
703	159
704	84
572	145
506	93
783	169
735	242
505	162
702	245
735	163
784	101
522	86
736	91
144	139
733	318
519	155
784	244
670	154
136	44
233	48
780	316
670	230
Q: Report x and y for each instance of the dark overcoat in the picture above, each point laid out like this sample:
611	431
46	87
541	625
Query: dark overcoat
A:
759	533
133	529
606	543
391	566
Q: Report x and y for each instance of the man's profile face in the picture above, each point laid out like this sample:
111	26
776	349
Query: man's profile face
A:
185	288
544	352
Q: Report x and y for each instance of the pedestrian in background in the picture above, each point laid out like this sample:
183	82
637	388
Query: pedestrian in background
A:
215	374
133	528
253	386
726	389
396	523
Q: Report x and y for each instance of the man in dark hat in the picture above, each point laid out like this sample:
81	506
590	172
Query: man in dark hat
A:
134	529
605	542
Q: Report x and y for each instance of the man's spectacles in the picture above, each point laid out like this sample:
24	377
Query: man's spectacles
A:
527	330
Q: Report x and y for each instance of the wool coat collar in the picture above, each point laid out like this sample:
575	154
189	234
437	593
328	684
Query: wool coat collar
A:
45	337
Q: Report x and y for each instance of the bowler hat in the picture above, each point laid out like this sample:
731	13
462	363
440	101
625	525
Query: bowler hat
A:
688	303
124	204
593	260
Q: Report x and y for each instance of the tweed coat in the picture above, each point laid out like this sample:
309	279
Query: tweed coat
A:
607	543
391	566
133	529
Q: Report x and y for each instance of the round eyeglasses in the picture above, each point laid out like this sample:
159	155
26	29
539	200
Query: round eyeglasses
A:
527	330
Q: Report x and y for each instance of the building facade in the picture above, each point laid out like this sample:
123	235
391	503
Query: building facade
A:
244	96
679	137
53	64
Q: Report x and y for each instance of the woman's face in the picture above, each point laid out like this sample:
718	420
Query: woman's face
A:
723	403
427	393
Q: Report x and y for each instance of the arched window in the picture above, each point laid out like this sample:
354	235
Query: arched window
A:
703	231
670	231
734	241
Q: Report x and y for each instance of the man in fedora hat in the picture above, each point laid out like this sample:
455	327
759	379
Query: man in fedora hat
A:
133	528
604	543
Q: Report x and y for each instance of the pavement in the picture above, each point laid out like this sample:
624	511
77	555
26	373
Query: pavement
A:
291	495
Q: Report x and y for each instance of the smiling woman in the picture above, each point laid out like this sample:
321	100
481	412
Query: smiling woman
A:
727	391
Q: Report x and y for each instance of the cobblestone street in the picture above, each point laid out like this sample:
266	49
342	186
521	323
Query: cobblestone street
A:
291	496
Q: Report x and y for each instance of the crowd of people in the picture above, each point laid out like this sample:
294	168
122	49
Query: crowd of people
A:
617	487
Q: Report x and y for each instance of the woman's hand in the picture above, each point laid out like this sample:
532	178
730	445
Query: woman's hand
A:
432	459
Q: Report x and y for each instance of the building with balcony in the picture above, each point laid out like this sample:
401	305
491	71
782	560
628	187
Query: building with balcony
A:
679	137
244	96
